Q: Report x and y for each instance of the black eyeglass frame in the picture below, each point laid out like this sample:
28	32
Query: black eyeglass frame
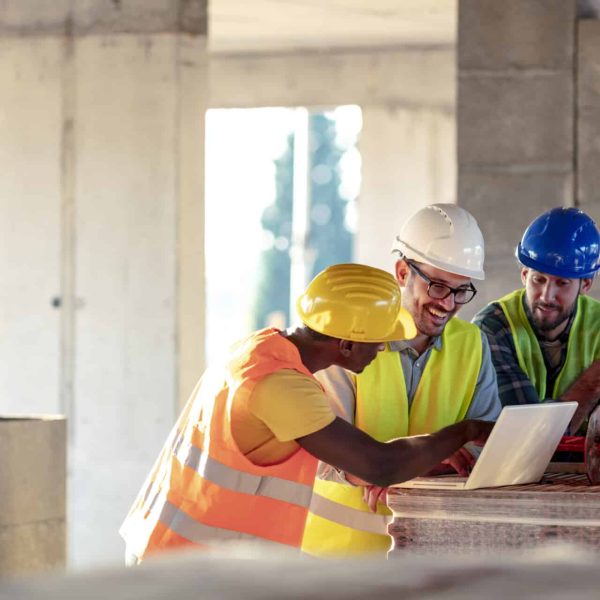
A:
451	290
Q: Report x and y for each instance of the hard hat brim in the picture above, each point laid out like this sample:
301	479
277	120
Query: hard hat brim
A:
405	328
530	263
405	251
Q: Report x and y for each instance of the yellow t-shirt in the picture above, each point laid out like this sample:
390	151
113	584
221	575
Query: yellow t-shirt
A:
283	406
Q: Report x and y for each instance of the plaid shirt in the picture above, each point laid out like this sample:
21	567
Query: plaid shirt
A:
514	386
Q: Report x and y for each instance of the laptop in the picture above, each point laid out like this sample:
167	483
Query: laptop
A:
517	451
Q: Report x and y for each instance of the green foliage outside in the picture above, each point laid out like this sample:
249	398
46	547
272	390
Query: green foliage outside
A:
328	240
273	290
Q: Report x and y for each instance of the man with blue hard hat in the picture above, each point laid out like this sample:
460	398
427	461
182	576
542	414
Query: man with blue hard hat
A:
544	337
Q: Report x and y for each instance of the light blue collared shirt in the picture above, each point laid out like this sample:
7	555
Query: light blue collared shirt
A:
341	384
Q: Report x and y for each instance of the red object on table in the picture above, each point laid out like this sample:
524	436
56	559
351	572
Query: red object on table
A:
571	443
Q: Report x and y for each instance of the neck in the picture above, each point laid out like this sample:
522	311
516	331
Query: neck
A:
550	336
315	355
420	343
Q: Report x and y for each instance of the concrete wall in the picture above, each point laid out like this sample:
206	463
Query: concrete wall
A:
588	118
516	122
101	136
30	218
407	142
408	161
124	372
409	76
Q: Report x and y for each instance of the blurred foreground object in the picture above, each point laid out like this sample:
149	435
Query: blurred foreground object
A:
553	573
592	450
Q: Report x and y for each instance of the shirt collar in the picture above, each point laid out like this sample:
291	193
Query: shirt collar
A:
399	345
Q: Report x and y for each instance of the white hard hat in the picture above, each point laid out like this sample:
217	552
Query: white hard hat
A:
444	236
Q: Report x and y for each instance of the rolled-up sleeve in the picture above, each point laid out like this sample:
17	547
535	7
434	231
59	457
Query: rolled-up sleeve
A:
340	387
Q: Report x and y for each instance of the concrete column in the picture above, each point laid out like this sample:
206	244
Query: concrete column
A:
139	269
192	104
33	519
588	117
102	137
516	122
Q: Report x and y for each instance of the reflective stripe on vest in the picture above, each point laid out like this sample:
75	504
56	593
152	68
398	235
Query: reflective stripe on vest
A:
337	525
442	398
341	514
582	349
245	483
202	488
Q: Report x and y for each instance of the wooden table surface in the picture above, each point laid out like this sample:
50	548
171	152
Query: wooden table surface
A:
562	507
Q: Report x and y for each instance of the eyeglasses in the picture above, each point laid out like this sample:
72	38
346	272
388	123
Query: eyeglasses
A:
440	291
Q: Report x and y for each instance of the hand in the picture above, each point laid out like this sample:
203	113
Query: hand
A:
478	431
461	461
373	494
441	469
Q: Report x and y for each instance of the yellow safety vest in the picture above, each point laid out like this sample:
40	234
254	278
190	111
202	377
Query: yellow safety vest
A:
339	522
583	346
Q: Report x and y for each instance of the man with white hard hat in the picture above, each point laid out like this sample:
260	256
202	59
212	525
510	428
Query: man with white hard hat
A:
442	376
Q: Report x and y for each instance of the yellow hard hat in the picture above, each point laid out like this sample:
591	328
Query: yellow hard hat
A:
357	303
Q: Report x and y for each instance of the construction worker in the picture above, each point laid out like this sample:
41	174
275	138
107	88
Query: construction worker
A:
417	386
240	462
544	337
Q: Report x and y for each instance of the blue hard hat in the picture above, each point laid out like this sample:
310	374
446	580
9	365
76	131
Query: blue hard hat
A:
563	242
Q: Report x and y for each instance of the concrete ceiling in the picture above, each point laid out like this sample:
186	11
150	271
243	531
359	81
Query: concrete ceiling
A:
240	26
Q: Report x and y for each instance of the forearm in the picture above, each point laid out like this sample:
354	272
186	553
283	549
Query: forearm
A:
355	452
413	456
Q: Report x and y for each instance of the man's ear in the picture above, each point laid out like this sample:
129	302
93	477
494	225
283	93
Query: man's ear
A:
586	285
345	348
524	272
402	272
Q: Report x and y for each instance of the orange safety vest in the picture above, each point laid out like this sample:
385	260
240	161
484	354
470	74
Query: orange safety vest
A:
202	489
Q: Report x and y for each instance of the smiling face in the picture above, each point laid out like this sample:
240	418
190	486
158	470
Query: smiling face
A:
430	314
551	300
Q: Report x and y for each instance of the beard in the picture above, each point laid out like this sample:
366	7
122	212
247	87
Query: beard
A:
544	324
